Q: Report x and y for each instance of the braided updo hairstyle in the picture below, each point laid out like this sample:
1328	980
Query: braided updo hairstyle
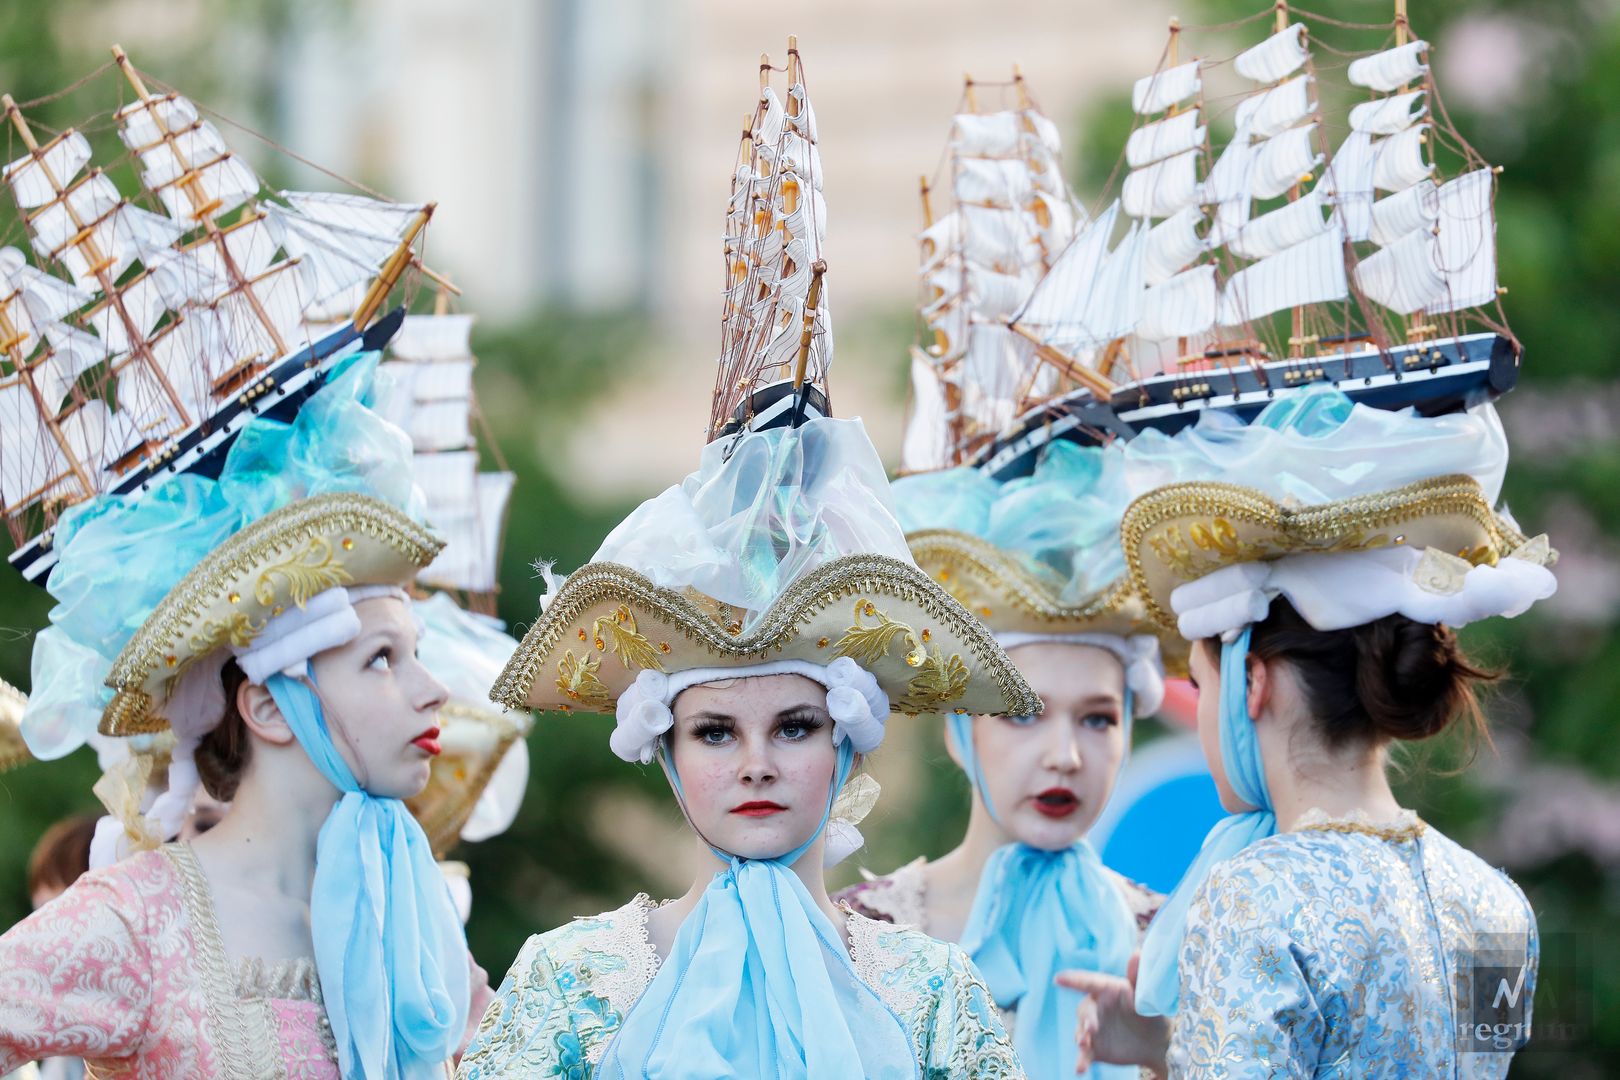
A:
1392	678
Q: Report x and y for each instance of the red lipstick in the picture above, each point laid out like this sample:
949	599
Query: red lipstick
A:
758	809
1057	802
428	742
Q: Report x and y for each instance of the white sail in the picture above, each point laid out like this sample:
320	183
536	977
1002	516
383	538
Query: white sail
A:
926	444
1043	136
36	179
1284	161
1184	306
1276	110
1279	55
1347	182
26	464
998	134
773	121
1068	285
996	371
1162	188
144	305
1006	239
330	259
1390	69
1157	92
1115	302
990	294
1308	273
1403	276
93	216
178	151
992	182
948	321
356	212
1386	116
1281	229
1172	244
1164	138
1465	245
1399	163
472	537
281	299
1407	211
433	337
31	297
1226	188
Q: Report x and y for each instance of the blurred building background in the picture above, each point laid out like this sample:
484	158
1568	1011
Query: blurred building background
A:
580	152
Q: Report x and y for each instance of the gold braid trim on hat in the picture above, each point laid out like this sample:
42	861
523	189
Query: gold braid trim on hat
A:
1185	531
282	559
925	679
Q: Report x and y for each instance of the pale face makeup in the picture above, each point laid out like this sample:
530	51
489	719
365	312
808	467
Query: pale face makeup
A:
756	762
381	704
1049	776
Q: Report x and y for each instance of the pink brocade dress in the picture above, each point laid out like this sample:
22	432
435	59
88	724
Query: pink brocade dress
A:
127	970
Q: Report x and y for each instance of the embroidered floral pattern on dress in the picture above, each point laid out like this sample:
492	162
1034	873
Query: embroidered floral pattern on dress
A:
1315	953
569	989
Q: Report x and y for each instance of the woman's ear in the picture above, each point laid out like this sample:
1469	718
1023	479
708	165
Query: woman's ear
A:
1262	685
261	715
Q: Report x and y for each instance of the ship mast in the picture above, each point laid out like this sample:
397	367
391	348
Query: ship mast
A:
47	413
98	261
202	206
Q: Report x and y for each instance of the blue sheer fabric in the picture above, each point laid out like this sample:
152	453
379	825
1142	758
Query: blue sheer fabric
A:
759	984
389	946
1158	978
1036	913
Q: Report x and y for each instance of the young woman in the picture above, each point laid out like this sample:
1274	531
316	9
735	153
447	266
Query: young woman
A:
261	617
752	626
1038	560
1324	930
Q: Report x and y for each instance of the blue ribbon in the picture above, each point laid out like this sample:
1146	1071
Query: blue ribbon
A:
389	946
758	984
1036	913
1158	984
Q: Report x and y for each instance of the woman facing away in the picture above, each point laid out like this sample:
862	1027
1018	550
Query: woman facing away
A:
1024	893
1324	930
261	616
752	626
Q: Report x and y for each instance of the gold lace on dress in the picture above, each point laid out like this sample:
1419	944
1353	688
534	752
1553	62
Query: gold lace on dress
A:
1406	825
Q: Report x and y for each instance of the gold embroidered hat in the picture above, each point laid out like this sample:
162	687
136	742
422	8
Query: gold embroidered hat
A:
478	779
1353	513
151	583
783	546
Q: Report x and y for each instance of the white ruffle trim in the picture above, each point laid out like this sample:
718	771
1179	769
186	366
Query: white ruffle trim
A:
1137	653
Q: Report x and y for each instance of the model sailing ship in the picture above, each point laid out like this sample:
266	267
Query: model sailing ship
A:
1007	216
776	333
151	325
1225	278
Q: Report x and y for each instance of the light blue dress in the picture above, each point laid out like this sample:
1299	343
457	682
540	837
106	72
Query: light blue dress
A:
1343	949
569	990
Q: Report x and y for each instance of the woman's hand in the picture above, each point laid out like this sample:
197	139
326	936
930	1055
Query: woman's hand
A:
1109	1029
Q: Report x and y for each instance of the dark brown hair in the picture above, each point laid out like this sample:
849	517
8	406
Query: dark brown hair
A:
223	754
62	854
1392	678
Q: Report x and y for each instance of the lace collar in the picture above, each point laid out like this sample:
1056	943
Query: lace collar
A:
1406	825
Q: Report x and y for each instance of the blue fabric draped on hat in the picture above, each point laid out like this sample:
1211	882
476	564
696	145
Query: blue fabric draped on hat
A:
758	983
119	555
1063	518
1036	913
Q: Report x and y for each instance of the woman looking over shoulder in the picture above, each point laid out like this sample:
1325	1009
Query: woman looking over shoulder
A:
262	617
1024	893
1320	929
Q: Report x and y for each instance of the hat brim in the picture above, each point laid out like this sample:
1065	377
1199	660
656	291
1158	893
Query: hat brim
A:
475	740
1182	532
279	561
607	623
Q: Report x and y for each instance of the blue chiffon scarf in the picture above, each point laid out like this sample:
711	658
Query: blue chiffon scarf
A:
389	947
759	984
1036	913
1158	984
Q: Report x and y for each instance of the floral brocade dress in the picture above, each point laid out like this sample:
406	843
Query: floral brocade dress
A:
128	971
1343	949
569	989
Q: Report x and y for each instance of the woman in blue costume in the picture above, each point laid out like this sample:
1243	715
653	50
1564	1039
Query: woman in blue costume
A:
1037	559
1318	560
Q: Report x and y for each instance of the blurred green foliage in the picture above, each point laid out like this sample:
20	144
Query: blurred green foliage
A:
1559	233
